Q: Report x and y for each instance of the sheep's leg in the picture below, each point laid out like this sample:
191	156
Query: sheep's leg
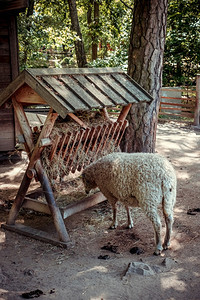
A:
155	219
130	220
169	222
114	223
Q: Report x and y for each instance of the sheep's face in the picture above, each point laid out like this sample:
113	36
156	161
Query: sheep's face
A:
89	183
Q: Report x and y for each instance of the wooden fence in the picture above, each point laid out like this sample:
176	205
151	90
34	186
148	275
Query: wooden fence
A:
177	104
181	104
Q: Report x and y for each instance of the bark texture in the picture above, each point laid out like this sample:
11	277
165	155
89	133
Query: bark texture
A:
145	65
79	45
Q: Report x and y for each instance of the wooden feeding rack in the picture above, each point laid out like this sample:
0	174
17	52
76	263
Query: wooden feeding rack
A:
69	94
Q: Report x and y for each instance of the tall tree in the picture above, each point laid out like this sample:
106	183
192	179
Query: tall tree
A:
93	22
145	64
79	45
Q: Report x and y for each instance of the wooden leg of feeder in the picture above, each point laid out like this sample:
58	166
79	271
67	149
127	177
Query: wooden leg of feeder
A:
19	199
55	211
124	112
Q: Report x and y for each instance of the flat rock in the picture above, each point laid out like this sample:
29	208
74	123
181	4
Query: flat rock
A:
141	268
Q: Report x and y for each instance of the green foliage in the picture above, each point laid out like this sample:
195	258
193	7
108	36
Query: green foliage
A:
43	35
182	54
46	39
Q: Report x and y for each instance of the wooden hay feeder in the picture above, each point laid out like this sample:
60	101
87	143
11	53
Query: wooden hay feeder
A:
73	94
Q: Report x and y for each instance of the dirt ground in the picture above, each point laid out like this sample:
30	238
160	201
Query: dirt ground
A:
79	272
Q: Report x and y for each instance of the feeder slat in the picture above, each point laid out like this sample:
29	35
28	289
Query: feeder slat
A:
118	130
75	137
122	131
87	147
54	147
102	134
62	144
67	143
76	148
85	137
107	137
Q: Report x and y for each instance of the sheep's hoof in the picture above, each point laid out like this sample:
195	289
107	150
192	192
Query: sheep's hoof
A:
130	226
166	247
113	226
157	252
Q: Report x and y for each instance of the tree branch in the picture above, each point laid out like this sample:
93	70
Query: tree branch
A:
129	7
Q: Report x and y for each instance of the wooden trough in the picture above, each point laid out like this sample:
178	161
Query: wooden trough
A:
68	93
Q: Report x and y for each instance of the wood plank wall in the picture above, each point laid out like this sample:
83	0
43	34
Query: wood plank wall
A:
5	65
7	134
8	71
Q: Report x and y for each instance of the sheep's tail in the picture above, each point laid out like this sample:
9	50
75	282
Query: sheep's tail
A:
169	196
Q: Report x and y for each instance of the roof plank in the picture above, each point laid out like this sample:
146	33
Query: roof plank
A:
135	89
124	91
77	89
71	71
72	100
92	89
115	97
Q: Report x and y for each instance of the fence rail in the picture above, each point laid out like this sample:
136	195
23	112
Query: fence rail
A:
181	104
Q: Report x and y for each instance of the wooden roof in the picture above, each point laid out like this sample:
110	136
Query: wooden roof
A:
12	5
70	90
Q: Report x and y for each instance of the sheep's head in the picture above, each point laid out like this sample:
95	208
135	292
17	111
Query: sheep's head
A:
88	182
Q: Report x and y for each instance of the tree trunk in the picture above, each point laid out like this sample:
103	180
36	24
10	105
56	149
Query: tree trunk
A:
145	65
79	45
92	23
96	21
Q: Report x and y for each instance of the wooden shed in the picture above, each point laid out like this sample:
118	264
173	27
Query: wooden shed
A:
9	65
68	93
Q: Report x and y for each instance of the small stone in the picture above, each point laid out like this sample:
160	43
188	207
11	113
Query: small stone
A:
168	262
140	269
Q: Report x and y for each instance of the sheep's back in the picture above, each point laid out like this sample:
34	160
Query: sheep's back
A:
137	174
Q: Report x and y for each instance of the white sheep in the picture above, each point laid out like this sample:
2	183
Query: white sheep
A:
136	179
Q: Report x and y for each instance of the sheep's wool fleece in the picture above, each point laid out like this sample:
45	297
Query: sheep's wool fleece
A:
135	178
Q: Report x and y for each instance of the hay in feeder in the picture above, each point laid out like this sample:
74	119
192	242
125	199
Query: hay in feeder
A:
78	154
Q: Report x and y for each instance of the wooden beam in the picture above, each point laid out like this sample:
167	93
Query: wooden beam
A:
55	211
46	130
124	112
11	89
35	234
77	120
23	122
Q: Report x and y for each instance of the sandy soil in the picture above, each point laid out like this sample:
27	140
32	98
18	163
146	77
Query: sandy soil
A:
77	272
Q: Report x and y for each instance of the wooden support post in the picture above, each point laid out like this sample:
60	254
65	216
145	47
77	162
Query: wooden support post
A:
35	164
23	122
55	211
46	130
19	200
124	113
197	107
